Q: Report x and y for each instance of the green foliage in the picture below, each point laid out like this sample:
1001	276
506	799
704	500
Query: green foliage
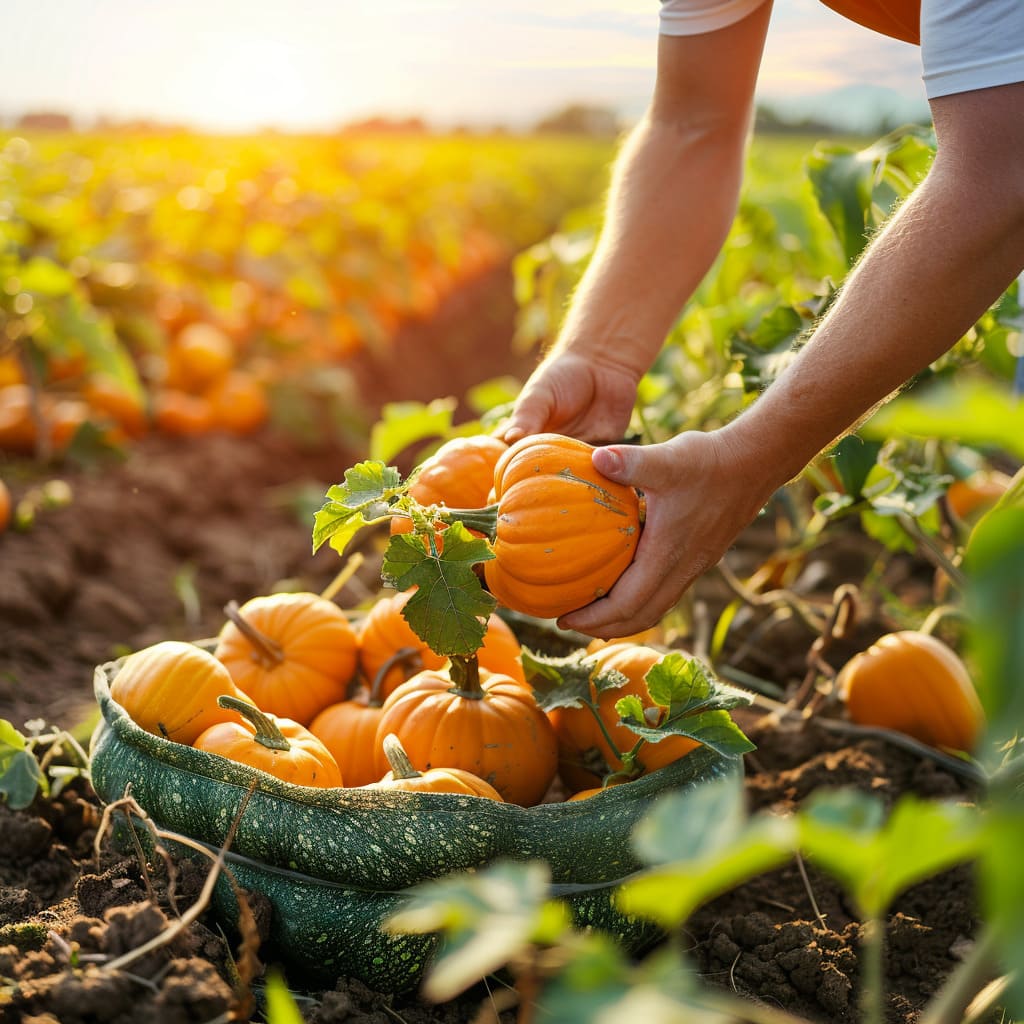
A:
568	681
449	609
21	778
403	424
367	496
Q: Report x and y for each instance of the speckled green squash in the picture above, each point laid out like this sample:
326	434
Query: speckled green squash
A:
334	862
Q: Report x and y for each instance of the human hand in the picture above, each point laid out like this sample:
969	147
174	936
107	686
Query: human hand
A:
587	397
701	490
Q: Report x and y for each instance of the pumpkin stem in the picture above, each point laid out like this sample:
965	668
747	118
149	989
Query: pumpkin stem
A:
464	672
267	732
483	520
401	766
403	654
268	650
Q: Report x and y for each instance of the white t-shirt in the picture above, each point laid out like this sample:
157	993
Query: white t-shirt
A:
965	44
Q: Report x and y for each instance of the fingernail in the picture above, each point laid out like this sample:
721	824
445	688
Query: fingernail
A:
608	461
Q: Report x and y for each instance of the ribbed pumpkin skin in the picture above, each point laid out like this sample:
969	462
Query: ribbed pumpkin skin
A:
578	731
915	684
384	632
171	690
459	474
307	763
318	644
349	730
503	738
565	533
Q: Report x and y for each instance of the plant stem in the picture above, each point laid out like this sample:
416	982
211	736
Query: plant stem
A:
872	974
932	551
483	520
465	676
403	654
269	651
947	1006
267	732
347	571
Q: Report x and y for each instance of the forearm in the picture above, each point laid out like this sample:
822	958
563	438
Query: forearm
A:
931	273
672	200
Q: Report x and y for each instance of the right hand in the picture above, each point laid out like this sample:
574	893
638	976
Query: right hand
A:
580	396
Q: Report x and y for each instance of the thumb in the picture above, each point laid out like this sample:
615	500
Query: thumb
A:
640	466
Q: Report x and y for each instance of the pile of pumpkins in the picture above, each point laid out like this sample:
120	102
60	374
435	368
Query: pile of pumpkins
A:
292	687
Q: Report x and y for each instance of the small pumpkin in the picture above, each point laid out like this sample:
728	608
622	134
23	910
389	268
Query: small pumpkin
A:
404	776
171	690
460	474
485	723
349	728
278	746
585	756
976	492
561	533
293	654
384	632
912	682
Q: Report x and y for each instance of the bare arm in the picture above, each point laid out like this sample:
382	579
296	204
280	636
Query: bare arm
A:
672	200
949	252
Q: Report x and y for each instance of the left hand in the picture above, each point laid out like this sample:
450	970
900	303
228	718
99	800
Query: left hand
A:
700	493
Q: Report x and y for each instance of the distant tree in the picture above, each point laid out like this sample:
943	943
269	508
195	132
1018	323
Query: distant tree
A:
580	119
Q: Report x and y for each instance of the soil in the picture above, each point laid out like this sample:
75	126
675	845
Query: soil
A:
153	547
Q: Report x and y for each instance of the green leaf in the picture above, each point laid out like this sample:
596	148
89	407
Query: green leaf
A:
21	779
487	918
994	564
842	832
567	681
1002	893
281	1005
43	277
450	607
631	707
982	413
853	458
367	495
696	704
703	845
406	423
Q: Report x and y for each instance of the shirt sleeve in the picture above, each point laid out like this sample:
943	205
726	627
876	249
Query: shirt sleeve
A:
971	44
694	17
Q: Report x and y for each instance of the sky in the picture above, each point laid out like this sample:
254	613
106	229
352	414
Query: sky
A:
315	64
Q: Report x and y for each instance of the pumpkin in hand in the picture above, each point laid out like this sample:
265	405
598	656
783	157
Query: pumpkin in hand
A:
485	723
293	654
561	533
278	746
912	682
171	690
403	776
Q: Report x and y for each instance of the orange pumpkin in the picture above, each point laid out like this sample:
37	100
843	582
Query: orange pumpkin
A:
200	356
978	491
913	683
18	431
460	474
109	398
293	654
564	533
384	633
278	746
403	776
171	690
481	722
584	754
239	403
181	414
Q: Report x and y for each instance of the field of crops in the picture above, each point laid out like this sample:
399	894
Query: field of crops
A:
283	738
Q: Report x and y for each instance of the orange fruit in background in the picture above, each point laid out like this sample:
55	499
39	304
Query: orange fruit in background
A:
112	400
200	356
17	425
11	371
979	490
62	423
180	414
239	403
5	506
